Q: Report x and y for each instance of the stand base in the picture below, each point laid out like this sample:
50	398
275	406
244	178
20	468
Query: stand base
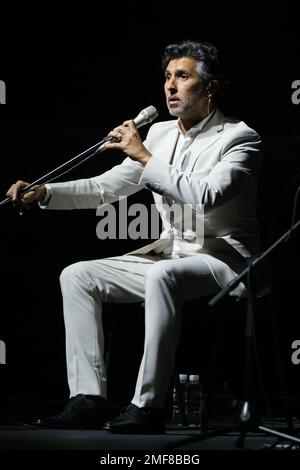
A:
245	425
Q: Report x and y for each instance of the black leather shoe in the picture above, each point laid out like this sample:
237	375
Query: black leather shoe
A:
136	420
80	412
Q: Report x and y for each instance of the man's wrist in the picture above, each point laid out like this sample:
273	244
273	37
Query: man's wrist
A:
144	160
45	195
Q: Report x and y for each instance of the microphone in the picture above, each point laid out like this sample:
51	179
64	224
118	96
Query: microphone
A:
146	116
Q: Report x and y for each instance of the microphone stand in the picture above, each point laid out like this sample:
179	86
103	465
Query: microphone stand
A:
144	117
246	420
63	169
232	284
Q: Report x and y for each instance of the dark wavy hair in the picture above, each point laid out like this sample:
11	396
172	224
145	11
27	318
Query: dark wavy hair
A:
203	52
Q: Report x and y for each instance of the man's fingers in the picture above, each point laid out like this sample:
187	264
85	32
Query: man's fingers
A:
28	197
116	135
20	204
15	189
119	131
129	124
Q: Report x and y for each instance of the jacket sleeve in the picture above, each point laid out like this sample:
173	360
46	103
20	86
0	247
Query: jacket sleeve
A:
237	167
121	180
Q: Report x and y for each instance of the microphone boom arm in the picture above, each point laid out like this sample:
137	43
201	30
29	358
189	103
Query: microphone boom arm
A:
146	116
77	160
232	284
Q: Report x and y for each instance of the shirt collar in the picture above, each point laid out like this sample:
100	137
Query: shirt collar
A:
193	131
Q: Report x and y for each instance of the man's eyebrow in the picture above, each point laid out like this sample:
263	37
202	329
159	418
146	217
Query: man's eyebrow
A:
178	71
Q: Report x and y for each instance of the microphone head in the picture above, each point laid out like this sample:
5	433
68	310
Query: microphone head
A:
146	116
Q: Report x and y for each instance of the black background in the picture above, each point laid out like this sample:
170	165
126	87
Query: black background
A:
70	79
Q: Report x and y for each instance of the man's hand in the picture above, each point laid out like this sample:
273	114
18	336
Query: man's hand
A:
127	138
22	202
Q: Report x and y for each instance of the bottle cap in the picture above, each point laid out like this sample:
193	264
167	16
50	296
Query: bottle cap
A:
183	378
194	378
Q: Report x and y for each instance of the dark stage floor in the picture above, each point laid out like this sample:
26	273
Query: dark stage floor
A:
19	439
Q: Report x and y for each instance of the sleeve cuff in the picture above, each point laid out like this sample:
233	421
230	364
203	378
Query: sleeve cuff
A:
43	204
153	176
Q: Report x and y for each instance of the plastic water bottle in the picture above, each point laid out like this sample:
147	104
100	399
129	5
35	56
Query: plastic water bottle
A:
178	411
192	401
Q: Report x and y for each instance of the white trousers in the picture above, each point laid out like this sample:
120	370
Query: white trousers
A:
163	284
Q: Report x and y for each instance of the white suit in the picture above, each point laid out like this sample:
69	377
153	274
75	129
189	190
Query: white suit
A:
221	175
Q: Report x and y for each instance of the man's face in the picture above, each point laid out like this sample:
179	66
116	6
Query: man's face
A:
184	88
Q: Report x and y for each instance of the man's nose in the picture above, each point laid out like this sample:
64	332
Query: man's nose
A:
171	85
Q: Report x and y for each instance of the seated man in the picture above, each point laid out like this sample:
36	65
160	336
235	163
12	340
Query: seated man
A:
201	160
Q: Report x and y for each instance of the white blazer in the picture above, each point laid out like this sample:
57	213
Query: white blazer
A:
221	176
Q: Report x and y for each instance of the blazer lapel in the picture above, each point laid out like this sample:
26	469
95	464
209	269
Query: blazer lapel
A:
167	148
210	134
207	137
